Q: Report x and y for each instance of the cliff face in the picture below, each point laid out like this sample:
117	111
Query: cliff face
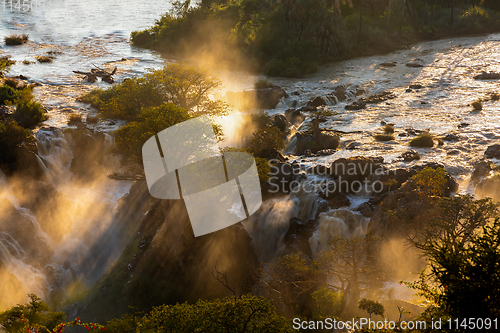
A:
165	263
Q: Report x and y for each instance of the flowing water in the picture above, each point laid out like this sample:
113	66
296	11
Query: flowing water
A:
83	35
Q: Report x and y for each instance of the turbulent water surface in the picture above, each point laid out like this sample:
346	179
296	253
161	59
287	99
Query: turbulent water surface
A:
95	33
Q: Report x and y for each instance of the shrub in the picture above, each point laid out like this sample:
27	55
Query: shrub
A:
384	137
92	119
7	94
15	39
477	105
423	140
12	82
75	118
130	138
429	182
29	113
12	137
43	59
266	142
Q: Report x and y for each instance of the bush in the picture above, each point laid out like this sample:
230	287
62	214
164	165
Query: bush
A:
384	137
423	140
29	113
388	128
16	39
266	142
477	105
7	94
75	118
12	137
130	138
43	59
181	85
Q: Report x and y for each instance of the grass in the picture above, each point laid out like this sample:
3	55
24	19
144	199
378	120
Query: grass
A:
477	105
44	58
423	140
75	118
384	137
389	129
92	119
263	84
16	39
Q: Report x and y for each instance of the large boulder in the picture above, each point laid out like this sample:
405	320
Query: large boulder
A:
492	151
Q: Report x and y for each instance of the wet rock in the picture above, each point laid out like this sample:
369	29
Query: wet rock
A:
453	152
414	64
319	169
257	98
307	108
366	209
492	151
355	169
463	125
318	101
481	170
294	116
389	64
378	98
353	145
451	137
297	236
336	200
326	152
357	105
328	140
340	93
487	76
410	155
281	122
408	90
415	86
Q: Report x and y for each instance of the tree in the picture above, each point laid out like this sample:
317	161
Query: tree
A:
351	265
463	249
372	307
12	138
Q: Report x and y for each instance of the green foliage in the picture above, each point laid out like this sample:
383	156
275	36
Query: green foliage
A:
429	182
29	113
12	137
5	63
372	307
244	314
463	248
7	94
75	118
130	138
423	140
266	142
183	86
328	303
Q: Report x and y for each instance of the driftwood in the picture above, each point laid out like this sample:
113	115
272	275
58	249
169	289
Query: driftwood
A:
98	72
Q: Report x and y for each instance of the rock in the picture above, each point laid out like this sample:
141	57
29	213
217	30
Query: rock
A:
453	152
415	86
492	151
481	170
318	101
336	200
340	93
328	140
451	137
307	108
487	76
408	90
326	152
357	105
353	145
281	122
294	116
365	209
410	155
297	236
414	64
388	64
462	125
378	98
257	98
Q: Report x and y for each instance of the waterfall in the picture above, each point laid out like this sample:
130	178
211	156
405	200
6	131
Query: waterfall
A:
54	155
